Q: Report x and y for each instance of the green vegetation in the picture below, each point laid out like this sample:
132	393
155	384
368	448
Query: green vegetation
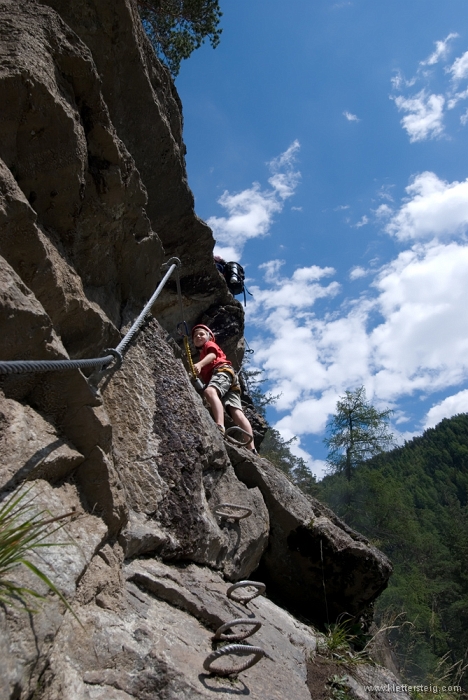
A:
412	503
22	530
356	432
177	27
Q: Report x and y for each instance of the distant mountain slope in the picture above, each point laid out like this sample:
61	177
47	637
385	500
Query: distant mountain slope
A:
412	502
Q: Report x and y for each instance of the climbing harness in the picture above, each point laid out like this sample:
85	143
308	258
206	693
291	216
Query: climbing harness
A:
234	516
229	369
260	588
238	649
219	634
114	355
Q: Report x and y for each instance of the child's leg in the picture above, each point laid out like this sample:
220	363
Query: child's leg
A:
240	419
216	406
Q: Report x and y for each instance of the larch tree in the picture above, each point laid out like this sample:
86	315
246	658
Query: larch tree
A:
356	432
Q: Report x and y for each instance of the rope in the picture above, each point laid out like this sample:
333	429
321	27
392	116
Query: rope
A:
234	516
24	366
240	635
241	650
261	588
189	355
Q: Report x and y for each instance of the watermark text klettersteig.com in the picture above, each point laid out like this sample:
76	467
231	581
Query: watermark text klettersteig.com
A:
394	688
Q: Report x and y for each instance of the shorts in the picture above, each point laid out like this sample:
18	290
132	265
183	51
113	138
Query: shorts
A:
222	383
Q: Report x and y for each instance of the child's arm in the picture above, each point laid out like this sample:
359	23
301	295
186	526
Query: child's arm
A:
211	357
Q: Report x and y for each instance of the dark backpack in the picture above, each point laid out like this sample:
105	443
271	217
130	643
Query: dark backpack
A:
234	276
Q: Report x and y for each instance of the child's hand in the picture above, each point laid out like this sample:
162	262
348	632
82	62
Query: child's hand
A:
197	367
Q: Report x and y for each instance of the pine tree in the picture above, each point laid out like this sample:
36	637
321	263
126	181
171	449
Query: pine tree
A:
177	27
357	431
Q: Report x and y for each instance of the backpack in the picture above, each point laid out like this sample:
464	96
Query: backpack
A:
234	276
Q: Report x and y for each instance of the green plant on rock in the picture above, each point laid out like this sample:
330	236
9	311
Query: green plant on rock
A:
24	529
343	642
339	688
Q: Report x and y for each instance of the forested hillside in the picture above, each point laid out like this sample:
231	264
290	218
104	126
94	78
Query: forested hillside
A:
412	502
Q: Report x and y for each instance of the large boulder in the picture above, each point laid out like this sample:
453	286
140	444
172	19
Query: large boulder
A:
314	564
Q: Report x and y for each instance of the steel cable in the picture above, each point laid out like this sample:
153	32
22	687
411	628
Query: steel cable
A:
116	354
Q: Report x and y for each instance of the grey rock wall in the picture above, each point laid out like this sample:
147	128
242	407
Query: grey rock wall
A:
93	198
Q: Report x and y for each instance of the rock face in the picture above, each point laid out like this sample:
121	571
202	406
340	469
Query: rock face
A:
93	198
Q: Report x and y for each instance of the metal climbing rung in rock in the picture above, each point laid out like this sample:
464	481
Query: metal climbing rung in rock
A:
240	443
237	649
235	516
260	588
239	636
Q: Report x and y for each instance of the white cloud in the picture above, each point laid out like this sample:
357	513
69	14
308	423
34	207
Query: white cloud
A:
459	68
384	193
440	51
383	211
420	343
398	81
250	213
351	117
408	334
357	272
458	403
435	208
423	342
453	101
363	221
464	118
425	115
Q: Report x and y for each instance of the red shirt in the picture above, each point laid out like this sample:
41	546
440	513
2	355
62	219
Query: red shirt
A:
207	371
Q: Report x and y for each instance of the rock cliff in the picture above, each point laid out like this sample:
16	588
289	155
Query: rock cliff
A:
93	199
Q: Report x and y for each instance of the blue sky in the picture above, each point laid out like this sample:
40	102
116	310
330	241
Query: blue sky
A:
326	147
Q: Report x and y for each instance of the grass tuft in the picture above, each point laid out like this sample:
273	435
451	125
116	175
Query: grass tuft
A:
24	529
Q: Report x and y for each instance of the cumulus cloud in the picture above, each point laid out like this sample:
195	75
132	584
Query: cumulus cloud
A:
351	117
425	115
250	213
440	51
451	406
459	68
435	209
410	334
423	341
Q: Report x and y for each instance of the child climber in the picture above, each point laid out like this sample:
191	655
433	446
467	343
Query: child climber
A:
218	374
